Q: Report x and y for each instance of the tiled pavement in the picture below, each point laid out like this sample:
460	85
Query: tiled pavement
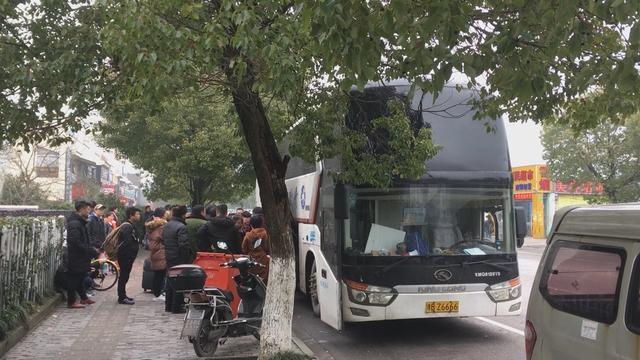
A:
107	330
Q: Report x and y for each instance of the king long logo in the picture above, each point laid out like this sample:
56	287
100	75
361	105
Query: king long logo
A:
443	275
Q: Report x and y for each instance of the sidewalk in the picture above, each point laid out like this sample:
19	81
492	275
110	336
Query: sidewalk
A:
107	330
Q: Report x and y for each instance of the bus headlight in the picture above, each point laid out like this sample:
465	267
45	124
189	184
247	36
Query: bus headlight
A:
504	291
364	294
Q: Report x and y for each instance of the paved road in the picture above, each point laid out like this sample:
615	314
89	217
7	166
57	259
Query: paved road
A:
470	338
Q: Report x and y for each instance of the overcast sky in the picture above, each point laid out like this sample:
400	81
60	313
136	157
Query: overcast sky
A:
525	147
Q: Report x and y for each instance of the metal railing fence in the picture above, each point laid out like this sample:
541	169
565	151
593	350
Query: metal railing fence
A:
30	253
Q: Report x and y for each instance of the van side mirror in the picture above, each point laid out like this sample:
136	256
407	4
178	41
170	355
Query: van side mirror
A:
340	204
521	226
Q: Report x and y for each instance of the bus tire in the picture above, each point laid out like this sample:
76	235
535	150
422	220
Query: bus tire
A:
313	290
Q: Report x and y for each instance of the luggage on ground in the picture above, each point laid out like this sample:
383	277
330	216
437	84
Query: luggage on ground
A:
147	275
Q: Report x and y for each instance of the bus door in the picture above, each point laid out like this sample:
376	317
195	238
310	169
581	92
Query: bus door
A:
328	285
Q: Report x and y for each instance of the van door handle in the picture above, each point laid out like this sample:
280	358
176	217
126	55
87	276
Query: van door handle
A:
323	273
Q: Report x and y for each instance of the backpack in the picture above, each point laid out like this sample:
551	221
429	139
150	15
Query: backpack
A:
110	244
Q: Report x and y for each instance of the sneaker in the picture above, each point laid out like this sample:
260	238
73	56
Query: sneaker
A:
159	298
126	302
129	298
87	302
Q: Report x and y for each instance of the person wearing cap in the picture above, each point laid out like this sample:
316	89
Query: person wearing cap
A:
95	226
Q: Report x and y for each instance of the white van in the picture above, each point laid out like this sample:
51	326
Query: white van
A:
585	300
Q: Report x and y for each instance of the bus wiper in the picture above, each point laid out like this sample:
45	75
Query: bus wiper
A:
389	267
487	262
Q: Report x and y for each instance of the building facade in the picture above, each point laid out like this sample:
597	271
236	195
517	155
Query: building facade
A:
73	171
540	196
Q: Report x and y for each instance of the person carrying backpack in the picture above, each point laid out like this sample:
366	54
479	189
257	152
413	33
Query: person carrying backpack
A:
127	251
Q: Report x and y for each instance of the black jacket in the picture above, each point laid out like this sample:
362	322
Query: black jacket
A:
176	242
219	229
96	230
79	252
127	242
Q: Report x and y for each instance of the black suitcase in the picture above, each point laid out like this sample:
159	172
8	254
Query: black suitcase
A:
147	276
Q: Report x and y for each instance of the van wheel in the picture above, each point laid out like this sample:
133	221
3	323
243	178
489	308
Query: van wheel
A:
313	290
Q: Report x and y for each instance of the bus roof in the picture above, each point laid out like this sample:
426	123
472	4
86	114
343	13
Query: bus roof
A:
470	149
619	221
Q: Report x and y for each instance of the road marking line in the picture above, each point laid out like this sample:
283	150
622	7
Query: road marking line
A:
501	325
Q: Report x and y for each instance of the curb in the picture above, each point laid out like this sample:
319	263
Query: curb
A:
32	322
303	347
296	342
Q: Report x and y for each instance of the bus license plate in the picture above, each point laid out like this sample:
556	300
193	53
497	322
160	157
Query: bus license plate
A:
442	307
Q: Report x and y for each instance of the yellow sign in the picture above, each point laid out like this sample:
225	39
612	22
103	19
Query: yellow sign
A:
530	179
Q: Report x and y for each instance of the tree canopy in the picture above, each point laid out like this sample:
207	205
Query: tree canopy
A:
192	150
51	76
609	155
535	55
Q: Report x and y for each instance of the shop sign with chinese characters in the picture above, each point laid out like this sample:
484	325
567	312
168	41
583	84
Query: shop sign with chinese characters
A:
587	188
528	180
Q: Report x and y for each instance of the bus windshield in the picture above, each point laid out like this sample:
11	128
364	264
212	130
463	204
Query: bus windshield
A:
429	221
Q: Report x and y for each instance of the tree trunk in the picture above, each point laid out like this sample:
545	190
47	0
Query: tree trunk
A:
197	189
270	170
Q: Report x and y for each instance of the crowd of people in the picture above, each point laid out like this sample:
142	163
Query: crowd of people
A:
172	234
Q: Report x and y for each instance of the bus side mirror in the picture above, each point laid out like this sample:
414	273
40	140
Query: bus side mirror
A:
340	205
521	226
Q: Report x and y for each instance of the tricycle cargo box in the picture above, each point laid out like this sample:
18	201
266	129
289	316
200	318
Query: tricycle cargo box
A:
187	277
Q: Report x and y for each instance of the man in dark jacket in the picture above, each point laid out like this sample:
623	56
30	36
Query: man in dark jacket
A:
127	252
177	252
79	255
96	227
220	229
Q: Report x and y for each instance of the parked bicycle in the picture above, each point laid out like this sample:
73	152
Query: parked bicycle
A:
104	273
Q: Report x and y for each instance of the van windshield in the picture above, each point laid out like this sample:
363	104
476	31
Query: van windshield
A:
424	221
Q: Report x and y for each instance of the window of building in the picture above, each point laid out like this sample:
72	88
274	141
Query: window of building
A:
583	280
47	163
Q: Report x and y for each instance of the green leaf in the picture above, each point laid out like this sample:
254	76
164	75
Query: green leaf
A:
537	84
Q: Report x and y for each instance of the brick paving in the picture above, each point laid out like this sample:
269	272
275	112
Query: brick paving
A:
108	330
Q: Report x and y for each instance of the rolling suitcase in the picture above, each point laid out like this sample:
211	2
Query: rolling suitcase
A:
147	276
